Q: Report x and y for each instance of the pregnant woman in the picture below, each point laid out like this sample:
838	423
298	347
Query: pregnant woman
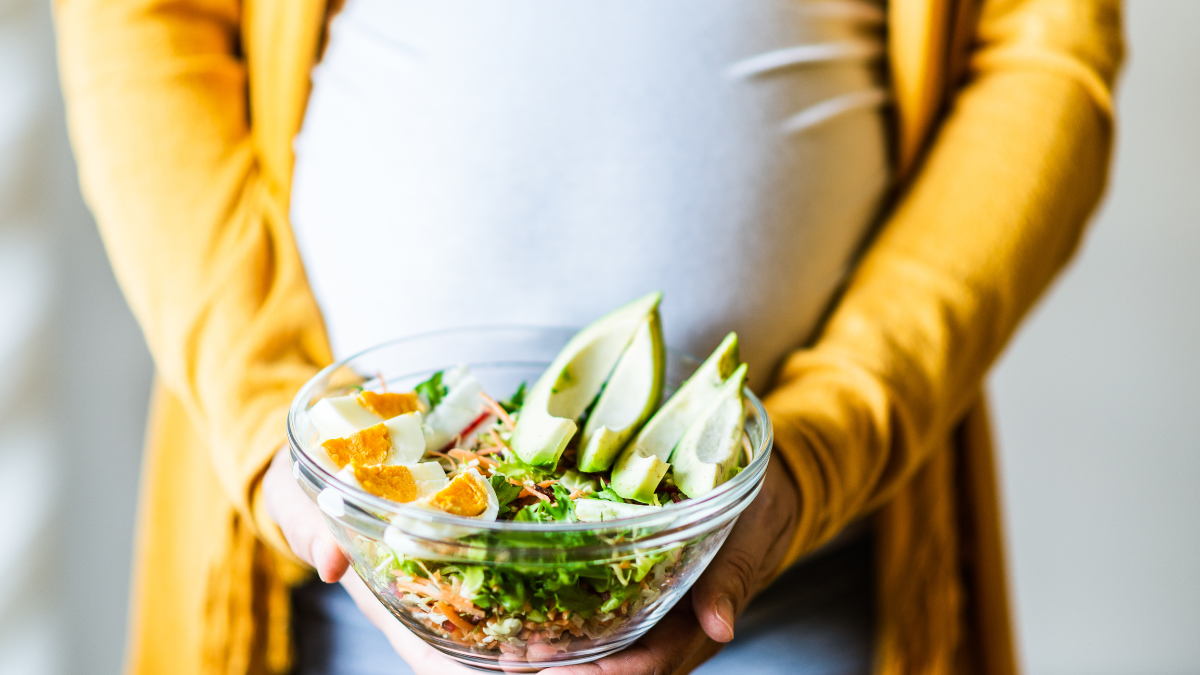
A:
538	162
871	195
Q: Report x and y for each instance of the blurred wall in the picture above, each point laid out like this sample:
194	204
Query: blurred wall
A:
1098	400
74	386
31	619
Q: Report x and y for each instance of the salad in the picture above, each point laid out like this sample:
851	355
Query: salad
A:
591	441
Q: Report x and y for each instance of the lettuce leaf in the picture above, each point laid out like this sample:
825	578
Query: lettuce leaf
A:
432	390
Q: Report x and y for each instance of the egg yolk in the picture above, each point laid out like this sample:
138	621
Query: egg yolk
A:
464	496
388	406
369	446
390	482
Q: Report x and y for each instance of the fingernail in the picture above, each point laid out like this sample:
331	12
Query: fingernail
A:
724	607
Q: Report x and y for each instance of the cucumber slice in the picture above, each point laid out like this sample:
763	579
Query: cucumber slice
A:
629	398
642	465
708	453
600	510
571	383
637	476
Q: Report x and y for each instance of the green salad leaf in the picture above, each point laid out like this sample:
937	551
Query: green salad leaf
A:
560	510
505	491
513	403
432	390
513	467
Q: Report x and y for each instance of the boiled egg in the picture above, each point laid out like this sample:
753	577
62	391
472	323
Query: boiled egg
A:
468	495
399	440
397	482
458	409
341	416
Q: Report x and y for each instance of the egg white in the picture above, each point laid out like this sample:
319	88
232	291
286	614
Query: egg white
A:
408	536
462	405
341	416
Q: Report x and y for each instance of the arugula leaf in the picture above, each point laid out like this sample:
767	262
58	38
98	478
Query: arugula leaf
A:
432	390
505	491
515	401
512	467
560	510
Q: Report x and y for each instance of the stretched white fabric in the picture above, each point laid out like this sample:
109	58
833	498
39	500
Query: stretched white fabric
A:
467	162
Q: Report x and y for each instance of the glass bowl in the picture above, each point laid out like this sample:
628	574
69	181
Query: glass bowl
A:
605	583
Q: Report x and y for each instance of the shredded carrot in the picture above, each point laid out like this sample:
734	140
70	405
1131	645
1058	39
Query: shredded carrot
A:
525	492
546	483
575	494
382	382
454	618
489	450
419	589
514	481
496	438
461	604
467	455
453	464
441	593
500	412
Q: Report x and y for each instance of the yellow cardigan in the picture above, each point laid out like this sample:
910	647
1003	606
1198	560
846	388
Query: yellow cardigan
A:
182	113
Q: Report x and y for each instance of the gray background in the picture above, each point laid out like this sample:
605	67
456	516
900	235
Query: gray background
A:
1097	403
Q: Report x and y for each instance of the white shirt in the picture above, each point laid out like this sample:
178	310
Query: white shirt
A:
481	162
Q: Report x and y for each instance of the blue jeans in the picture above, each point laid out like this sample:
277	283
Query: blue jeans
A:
815	620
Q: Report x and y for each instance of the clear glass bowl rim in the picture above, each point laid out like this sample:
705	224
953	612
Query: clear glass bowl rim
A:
732	491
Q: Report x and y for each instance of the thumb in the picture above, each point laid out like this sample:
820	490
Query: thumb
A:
301	522
727	584
753	550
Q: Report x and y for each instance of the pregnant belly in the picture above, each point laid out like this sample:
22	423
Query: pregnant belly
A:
537	162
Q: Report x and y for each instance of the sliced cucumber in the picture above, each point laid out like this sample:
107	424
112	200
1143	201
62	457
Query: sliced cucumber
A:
708	453
571	383
600	510
644	462
636	476
629	398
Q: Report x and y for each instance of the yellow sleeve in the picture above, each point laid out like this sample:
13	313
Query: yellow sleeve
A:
993	214
156	97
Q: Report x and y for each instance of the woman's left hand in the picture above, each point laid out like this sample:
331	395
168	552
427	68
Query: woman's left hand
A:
693	631
690	633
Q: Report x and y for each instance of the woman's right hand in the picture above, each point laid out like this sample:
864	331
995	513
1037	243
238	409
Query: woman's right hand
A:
311	541
300	520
